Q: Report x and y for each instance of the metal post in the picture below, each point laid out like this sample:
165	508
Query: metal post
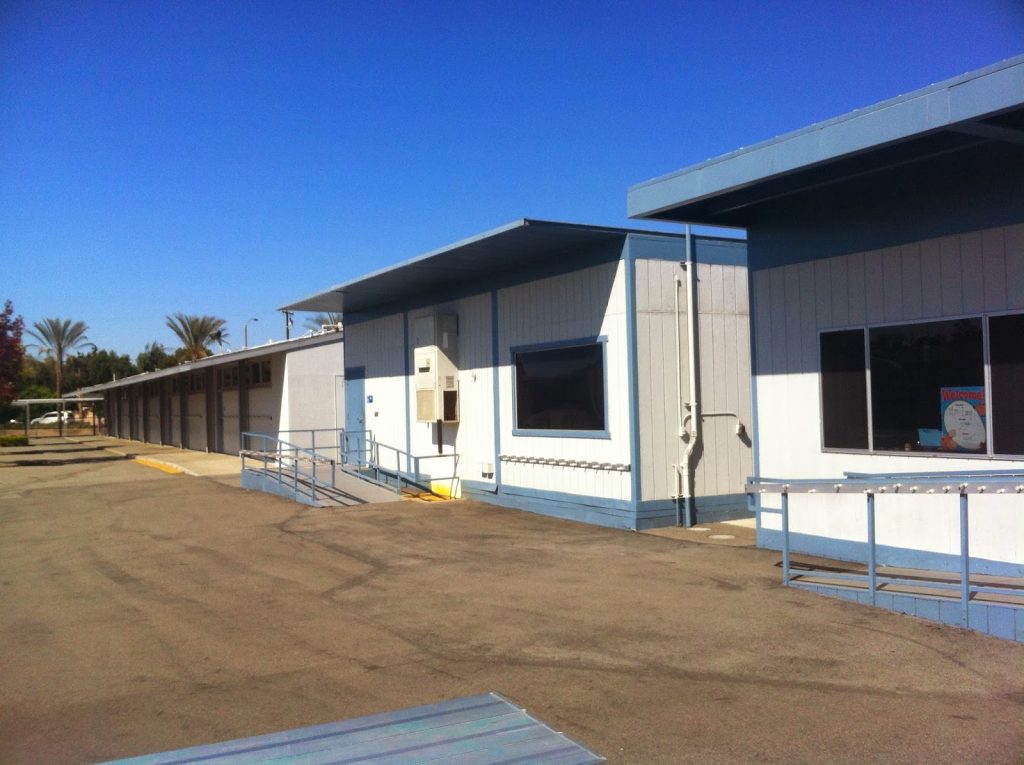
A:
312	437
965	562
872	564
785	536
295	472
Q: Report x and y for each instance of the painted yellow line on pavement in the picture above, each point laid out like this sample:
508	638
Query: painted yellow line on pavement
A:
164	466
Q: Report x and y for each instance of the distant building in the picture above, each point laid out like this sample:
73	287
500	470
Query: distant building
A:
207	404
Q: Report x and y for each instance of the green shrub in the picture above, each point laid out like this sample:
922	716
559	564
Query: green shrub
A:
13	441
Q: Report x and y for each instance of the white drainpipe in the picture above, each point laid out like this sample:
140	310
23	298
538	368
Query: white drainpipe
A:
693	407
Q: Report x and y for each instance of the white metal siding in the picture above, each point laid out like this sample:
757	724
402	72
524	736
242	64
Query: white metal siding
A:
970	273
724	342
586	303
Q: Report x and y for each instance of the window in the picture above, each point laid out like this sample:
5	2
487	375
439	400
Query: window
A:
258	373
927	384
561	389
1006	356
844	400
229	377
918	374
195	383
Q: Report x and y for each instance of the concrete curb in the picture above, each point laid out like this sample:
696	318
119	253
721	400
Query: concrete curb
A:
167	467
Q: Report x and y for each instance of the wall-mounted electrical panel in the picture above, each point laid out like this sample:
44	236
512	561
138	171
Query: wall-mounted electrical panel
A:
436	371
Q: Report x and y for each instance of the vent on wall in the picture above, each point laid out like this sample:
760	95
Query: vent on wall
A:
435	355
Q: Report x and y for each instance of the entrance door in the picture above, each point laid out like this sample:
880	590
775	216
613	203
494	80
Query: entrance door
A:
355	415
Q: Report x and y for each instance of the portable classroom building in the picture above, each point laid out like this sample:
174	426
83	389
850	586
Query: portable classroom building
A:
886	254
548	364
207	404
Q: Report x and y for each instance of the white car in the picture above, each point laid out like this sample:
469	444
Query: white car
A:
51	418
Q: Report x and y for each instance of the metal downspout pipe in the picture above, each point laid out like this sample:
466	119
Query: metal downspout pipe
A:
693	433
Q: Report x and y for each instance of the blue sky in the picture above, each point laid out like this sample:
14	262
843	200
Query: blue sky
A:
226	158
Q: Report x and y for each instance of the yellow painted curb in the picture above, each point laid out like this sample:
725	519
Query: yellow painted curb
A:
442	490
164	466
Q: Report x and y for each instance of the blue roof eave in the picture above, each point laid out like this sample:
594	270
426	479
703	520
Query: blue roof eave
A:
961	99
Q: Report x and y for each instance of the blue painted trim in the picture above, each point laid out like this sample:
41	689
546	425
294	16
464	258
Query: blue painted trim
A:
715	251
862	132
1006	622
601	340
886	555
583	500
709	508
407	383
496	386
555	504
632	380
554	344
598	434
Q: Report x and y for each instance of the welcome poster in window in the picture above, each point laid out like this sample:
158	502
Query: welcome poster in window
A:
963	419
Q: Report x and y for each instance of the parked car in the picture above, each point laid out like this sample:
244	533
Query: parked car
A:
51	418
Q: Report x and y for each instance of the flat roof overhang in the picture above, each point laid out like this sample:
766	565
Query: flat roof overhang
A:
511	247
986	105
217	359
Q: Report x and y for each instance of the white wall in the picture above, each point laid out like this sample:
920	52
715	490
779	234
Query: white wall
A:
586	303
968	274
308	387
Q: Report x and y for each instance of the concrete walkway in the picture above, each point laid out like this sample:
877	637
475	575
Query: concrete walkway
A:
222	468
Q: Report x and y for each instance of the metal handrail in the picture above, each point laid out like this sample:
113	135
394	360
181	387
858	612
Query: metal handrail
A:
961	484
360	449
280	452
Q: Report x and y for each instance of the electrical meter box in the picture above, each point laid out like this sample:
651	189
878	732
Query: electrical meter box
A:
435	365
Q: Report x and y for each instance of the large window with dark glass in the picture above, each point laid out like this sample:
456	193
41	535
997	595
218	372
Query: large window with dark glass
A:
927	385
561	388
1006	356
844	390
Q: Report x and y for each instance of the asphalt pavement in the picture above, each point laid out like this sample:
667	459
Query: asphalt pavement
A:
142	610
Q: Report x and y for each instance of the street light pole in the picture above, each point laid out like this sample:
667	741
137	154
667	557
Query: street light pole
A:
245	332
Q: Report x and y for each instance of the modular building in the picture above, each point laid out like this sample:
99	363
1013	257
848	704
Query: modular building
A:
886	257
207	404
547	366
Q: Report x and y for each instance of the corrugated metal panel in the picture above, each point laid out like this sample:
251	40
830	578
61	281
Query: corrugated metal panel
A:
723	329
476	730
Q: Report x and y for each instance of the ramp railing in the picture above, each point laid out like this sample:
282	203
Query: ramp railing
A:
1007	483
305	458
289	465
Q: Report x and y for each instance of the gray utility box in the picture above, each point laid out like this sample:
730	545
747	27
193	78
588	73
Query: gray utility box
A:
436	371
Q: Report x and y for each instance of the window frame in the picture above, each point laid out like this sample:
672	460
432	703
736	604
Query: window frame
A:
866	328
602	342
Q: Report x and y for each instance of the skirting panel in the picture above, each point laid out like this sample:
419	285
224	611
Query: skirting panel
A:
1000	621
857	552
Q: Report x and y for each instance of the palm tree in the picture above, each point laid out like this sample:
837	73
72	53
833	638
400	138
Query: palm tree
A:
56	338
196	333
322	320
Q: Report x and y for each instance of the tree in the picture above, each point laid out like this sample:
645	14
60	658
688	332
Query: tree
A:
322	320
196	333
11	351
56	338
153	357
84	370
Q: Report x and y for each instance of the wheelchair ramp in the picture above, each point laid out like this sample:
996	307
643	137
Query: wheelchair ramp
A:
476	730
